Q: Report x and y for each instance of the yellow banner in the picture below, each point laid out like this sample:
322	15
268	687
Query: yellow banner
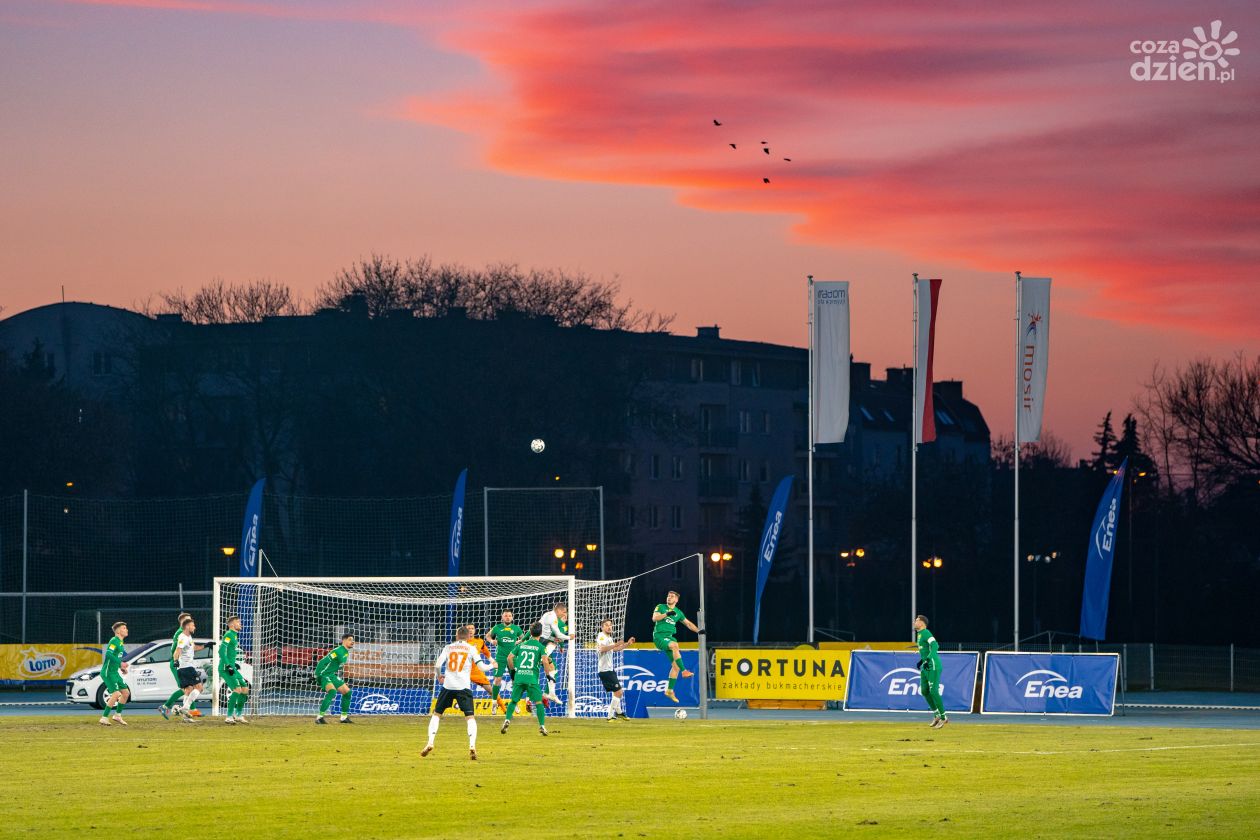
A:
24	663
481	706
764	674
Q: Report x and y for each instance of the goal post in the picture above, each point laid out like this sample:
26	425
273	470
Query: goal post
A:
400	626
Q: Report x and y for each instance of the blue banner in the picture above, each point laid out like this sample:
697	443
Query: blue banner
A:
1050	683
888	681
249	531
770	534
455	543
644	675
1102	549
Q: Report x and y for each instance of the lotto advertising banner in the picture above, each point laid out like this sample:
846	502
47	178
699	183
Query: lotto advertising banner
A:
888	681
1050	683
21	664
764	674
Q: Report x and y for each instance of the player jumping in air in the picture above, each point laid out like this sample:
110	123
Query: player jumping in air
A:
178	694
329	679
504	636
112	670
190	677
230	674
524	662
555	634
606	646
930	672
459	660
666	617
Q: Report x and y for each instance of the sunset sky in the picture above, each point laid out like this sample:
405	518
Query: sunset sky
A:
154	144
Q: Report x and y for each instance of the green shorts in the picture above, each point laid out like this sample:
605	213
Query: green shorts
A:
663	642
529	689
115	683
325	679
232	680
501	665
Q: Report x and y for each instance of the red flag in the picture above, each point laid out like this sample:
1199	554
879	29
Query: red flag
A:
927	293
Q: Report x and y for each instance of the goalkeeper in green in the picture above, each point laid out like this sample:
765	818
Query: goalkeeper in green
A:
504	636
230	674
330	680
524	662
666	617
112	670
930	671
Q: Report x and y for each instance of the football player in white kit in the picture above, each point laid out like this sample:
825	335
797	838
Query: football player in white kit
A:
459	660
555	632
606	646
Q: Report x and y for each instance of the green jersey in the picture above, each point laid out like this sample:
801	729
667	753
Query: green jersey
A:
112	664
927	649
505	638
527	657
228	650
332	662
667	626
175	649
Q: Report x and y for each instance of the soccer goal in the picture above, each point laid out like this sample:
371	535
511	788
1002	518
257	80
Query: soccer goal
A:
400	626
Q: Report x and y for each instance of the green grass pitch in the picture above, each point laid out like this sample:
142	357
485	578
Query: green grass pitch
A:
657	778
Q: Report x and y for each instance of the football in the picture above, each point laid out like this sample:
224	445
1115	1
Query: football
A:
681	714
538	445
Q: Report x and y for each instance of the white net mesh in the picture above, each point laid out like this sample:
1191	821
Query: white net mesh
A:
400	626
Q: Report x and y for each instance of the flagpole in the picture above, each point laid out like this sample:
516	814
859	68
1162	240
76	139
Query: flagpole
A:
810	468
1019	291
915	425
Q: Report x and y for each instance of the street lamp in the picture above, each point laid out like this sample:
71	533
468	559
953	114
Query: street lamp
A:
228	550
933	564
1037	560
558	553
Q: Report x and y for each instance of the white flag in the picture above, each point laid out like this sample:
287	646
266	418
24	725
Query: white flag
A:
830	392
1033	354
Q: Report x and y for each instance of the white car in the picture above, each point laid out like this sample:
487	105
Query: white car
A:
148	674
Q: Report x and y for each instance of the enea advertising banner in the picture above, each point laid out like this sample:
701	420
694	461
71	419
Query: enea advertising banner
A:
762	674
21	664
888	681
1050	683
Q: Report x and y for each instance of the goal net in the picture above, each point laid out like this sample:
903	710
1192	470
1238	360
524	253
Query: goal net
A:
400	626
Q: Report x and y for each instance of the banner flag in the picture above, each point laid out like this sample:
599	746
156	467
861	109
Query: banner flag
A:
927	293
770	534
249	567
1099	556
830	350
1034	354
1049	683
889	681
455	543
249	531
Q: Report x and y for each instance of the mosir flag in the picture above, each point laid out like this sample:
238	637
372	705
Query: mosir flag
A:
770	536
830	392
1102	550
926	294
1034	354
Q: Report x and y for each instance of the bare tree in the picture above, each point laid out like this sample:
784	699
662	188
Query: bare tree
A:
227	303
1050	451
1205	419
382	284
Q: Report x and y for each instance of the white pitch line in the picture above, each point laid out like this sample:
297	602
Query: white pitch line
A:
1071	752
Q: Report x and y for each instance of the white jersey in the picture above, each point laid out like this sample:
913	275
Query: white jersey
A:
186	650
457	658
605	658
551	627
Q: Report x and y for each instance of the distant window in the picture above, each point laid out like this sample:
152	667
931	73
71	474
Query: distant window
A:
944	418
888	414
676	468
654	466
737	372
763	472
654	517
676	571
102	364
866	414
629	516
765	422
754	374
745	469
628	463
675	517
697	370
745	422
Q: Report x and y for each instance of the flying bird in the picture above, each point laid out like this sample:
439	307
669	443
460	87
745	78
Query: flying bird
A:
732	145
765	180
789	160
716	122
766	150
